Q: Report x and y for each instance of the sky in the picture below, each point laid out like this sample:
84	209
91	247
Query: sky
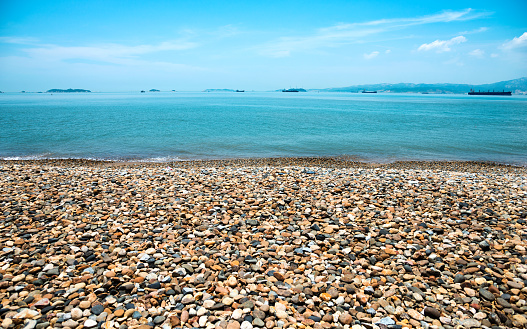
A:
257	45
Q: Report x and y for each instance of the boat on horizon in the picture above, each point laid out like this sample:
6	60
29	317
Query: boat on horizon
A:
369	92
490	93
240	91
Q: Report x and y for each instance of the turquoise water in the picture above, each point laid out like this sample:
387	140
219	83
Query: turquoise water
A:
180	126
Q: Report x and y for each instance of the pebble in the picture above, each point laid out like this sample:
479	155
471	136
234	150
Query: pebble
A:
262	243
415	315
246	325
90	323
30	324
76	313
97	309
70	323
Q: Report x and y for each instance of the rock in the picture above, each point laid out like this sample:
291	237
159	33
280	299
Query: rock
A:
6	323
386	321
159	319
208	303
246	325
188	299
70	323
76	313
233	325
415	315
232	281
519	320
279	276
486	294
281	314
227	300
459	278
84	304
345	318
184	316
257	322
90	323
97	309
30	324
470	323
432	312
237	314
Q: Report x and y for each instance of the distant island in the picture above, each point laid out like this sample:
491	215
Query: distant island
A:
294	90
517	86
154	90
68	91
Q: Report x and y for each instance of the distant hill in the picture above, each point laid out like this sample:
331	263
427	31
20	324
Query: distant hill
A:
517	86
68	91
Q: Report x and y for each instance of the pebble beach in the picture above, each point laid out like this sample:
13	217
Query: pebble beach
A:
262	243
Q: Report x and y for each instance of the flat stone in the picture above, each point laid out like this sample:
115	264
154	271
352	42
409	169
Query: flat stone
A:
97	309
90	323
415	315
486	294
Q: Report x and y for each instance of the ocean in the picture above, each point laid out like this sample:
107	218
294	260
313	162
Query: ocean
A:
171	126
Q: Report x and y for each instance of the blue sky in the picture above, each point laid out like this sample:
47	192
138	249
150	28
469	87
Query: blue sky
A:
257	45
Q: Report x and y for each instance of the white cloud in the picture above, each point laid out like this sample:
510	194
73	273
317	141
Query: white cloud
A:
19	40
481	29
442	45
494	55
108	53
371	55
518	42
477	53
227	31
388	51
349	33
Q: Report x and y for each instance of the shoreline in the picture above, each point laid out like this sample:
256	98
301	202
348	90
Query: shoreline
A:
323	162
301	243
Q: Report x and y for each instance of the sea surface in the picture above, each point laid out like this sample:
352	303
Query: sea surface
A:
168	126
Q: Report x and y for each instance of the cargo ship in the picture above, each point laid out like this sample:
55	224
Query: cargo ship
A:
369	92
492	93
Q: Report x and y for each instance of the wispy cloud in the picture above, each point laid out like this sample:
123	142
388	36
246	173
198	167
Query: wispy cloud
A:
442	45
477	53
227	31
19	40
518	42
480	30
108	53
371	55
349	33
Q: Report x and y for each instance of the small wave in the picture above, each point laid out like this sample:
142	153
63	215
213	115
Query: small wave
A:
28	157
162	159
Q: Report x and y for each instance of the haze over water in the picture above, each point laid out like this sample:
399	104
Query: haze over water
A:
180	126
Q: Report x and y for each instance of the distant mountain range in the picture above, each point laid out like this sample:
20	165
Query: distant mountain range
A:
517	86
